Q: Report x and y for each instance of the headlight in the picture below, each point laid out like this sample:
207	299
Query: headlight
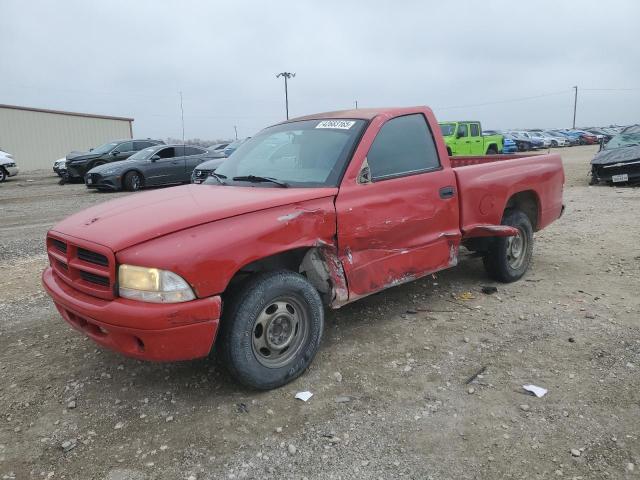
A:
153	285
110	171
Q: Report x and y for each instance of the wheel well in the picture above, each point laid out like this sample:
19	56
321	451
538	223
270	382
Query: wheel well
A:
527	202
494	146
312	262
449	151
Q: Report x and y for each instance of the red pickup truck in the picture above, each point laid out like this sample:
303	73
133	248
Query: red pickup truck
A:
314	212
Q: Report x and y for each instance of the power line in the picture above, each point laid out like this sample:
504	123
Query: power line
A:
497	102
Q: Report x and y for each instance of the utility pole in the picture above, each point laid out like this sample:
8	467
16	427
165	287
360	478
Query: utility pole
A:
575	104
182	115
356	104
287	76
236	129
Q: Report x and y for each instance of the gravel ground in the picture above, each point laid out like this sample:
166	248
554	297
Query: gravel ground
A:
391	398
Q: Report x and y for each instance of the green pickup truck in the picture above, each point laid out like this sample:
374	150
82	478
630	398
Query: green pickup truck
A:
465	138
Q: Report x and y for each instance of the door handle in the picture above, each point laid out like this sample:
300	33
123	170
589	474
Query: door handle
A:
468	141
447	192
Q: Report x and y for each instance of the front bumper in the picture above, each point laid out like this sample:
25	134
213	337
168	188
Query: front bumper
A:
76	171
110	182
607	172
146	331
12	171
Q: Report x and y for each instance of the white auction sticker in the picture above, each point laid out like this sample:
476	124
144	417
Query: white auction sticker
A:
341	124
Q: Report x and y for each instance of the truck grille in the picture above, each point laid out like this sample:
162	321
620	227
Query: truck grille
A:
92	257
87	267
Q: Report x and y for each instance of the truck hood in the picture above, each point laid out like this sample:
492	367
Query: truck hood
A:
121	223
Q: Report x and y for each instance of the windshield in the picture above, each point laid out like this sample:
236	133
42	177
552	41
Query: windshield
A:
107	147
144	154
447	129
628	138
307	153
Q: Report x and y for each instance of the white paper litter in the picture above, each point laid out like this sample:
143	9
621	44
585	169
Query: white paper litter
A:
537	391
304	396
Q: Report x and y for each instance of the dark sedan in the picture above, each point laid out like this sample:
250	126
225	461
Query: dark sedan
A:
154	166
618	161
79	163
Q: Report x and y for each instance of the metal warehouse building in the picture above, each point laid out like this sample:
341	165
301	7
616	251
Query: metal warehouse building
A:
37	137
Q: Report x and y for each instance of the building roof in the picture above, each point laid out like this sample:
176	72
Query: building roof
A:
61	112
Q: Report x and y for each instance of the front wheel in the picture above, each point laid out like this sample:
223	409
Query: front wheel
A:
271	329
508	258
132	181
3	175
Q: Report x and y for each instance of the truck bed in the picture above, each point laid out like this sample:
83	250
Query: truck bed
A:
489	184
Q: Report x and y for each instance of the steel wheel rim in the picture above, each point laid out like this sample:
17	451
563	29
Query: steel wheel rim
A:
279	332
517	247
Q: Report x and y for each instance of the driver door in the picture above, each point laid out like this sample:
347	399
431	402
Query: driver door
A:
166	166
463	143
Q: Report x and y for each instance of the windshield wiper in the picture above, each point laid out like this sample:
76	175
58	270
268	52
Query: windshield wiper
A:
258	179
218	177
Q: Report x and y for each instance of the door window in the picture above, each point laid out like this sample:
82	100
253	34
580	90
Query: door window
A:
188	151
463	131
125	147
168	152
137	146
403	146
475	129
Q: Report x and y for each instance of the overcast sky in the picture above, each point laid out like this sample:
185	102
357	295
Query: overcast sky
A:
465	59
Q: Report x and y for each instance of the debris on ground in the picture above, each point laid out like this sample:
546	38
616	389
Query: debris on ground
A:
537	391
489	289
304	396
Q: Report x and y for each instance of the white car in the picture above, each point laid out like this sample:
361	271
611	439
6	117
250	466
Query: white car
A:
556	141
8	167
60	166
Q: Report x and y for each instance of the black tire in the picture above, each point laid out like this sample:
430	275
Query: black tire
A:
243	329
492	150
3	175
554	144
133	181
508	258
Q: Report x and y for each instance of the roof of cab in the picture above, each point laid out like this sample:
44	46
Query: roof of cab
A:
359	113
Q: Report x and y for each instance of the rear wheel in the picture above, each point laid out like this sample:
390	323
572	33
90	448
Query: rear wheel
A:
508	258
133	181
271	329
554	143
492	150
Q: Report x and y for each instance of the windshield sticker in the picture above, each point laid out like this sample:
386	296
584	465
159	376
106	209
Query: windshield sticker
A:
341	124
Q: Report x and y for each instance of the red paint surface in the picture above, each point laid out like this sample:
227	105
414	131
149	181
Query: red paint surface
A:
371	236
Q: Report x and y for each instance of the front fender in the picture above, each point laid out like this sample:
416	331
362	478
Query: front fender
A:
207	256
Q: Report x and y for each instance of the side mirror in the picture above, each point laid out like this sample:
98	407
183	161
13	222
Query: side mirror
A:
91	149
155	157
115	152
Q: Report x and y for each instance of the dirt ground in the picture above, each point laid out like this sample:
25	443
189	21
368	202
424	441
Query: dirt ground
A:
389	382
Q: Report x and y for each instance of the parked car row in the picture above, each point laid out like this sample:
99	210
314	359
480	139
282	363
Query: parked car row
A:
132	164
534	139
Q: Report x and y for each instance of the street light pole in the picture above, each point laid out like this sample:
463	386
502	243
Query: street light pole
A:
575	104
236	129
287	76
